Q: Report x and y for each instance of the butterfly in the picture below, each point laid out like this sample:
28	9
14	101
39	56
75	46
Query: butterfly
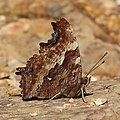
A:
56	71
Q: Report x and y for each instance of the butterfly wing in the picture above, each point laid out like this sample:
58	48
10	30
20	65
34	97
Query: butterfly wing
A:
56	69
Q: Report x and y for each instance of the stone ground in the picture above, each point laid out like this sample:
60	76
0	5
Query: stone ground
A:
24	24
14	108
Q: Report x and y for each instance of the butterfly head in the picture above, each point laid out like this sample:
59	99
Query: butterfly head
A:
86	81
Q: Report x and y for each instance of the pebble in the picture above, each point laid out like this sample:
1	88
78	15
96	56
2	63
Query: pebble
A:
71	100
33	114
100	101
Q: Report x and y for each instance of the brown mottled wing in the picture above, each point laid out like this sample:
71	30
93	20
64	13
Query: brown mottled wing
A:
56	68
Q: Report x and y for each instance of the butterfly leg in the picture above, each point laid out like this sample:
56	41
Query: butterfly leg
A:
83	97
55	96
84	90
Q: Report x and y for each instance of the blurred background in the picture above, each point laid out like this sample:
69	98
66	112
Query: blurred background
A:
25	23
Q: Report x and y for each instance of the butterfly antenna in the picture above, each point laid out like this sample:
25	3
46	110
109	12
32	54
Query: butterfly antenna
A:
97	64
96	67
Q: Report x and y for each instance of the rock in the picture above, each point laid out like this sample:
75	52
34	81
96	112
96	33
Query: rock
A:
28	42
12	91
100	101
8	105
71	100
3	56
15	27
105	15
13	63
29	8
13	107
118	2
33	114
4	75
3	83
2	20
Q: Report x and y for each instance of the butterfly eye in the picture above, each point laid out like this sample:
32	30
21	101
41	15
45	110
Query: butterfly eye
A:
84	80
